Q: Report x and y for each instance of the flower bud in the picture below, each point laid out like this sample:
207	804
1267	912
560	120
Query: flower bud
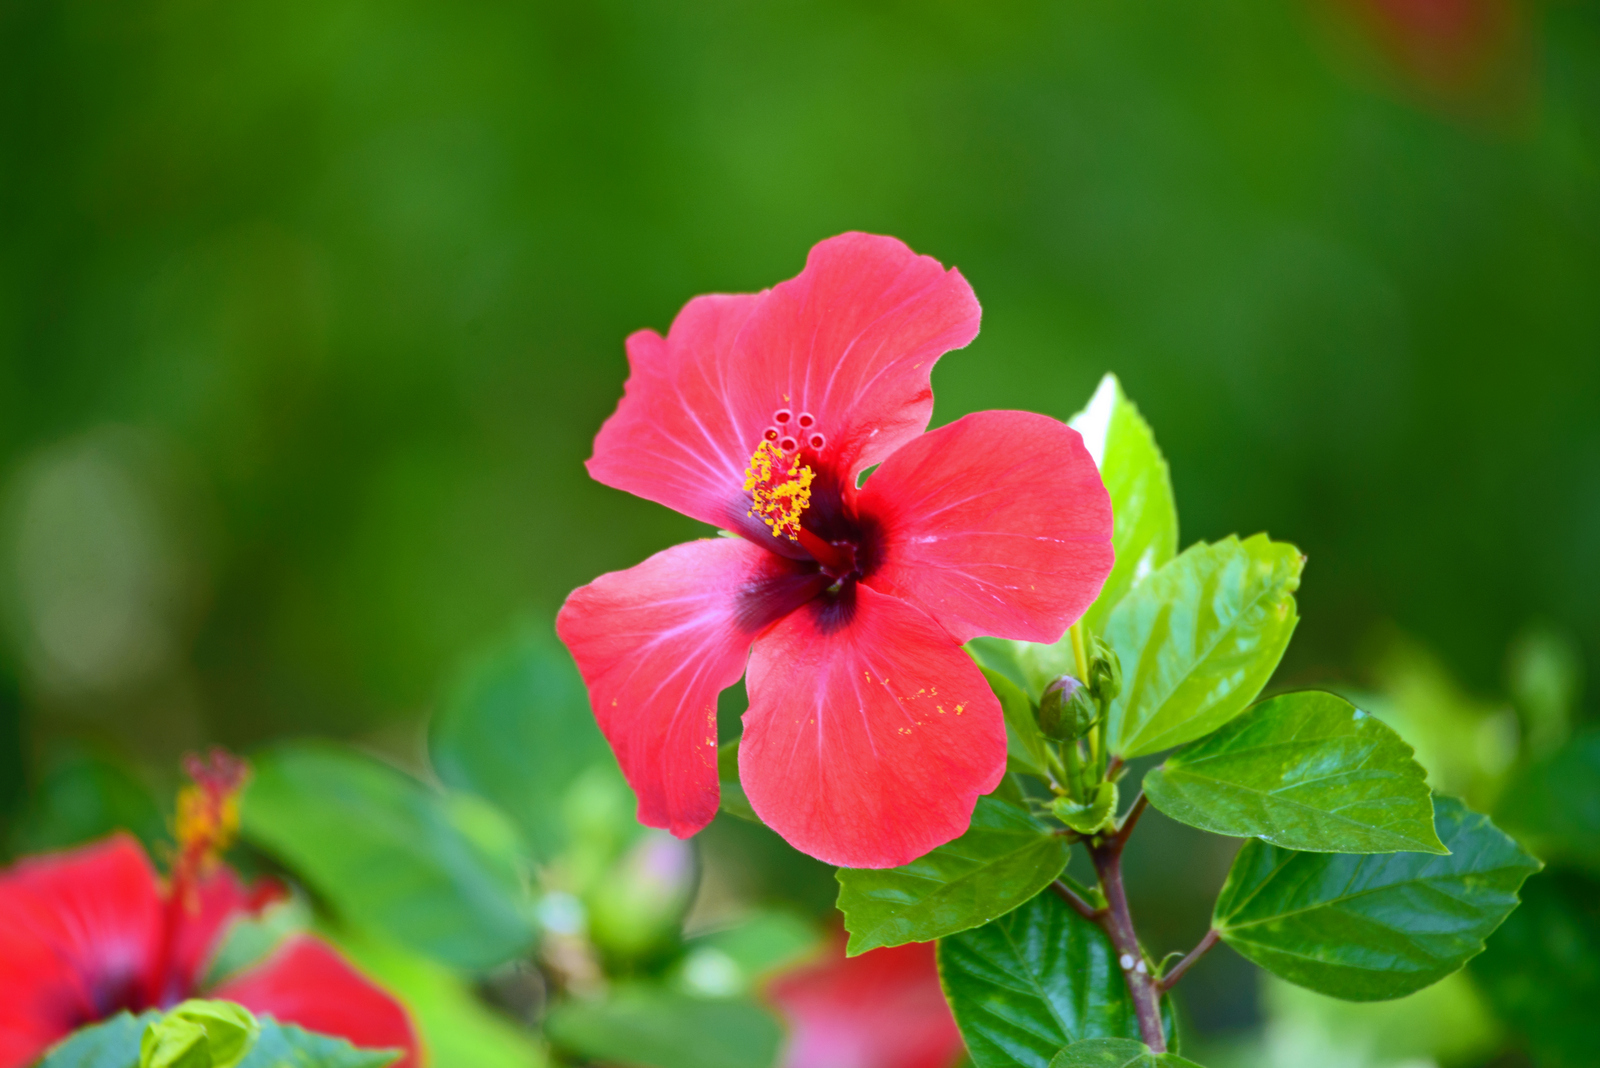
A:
1105	671
1065	709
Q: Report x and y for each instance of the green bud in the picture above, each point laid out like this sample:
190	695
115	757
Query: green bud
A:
1065	709
199	1034
1105	671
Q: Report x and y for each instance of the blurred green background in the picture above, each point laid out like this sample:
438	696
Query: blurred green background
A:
309	312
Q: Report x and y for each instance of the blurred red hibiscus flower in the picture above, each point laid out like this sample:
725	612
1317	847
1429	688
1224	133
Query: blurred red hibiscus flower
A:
93	931
870	733
883	1009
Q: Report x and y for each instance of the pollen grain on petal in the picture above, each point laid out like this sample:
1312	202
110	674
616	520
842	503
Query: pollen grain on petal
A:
780	489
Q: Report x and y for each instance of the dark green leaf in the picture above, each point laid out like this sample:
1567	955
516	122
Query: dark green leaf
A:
648	1028
1039	978
84	796
1199	639
1003	859
1377	926
112	1043
1116	1053
1542	968
1304	771
437	873
1025	746
1145	528
1554	807
516	729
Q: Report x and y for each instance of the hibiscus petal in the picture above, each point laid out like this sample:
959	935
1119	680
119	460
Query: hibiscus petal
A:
883	1009
219	900
845	349
851	341
657	643
77	942
682	435
870	733
996	524
307	983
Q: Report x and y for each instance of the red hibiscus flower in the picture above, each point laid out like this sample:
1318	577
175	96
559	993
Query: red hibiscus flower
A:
883	1009
870	734
90	932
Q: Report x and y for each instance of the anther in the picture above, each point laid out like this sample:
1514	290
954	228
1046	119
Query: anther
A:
780	490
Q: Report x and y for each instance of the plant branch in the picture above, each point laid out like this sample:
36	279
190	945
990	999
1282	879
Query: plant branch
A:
1082	907
1118	924
1168	981
1130	821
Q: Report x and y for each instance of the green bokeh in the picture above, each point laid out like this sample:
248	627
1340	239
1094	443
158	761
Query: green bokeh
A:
368	268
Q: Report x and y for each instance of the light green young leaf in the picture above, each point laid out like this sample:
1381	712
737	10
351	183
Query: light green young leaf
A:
1144	533
1375	926
1305	771
1003	859
640	1025
1088	817
1199	639
1116	1053
1039	978
1025	746
437	873
516	730
199	1034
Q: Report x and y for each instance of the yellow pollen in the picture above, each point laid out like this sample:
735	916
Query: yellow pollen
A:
206	822
780	489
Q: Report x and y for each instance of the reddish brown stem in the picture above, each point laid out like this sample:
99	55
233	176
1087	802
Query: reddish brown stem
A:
1168	981
1118	924
1131	820
1082	907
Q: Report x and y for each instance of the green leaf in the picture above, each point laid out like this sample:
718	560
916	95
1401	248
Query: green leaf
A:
437	873
84	796
1144	532
734	802
649	1028
1199	639
1376	926
1039	978
117	1042
1554	806
286	1046
1088	817
112	1043
1542	968
455	1025
516	730
1116	1053
1003	859
1025	746
1305	771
